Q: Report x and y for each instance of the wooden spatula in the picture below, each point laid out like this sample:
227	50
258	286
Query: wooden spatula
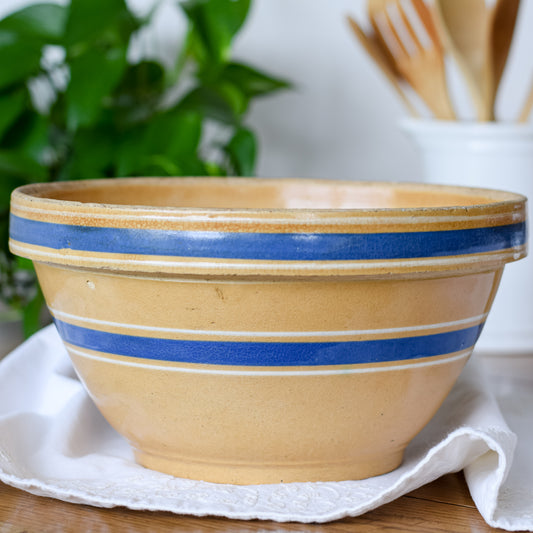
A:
464	27
501	30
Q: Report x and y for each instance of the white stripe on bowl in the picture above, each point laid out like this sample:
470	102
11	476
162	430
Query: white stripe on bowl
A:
223	333
285	266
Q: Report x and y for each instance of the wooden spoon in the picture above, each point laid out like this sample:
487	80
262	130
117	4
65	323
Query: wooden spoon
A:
463	25
420	65
382	60
528	106
501	30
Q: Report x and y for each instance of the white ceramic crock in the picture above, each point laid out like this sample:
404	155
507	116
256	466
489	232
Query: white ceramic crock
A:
495	155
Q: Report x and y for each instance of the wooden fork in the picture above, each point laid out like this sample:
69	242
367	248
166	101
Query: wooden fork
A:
382	61
421	66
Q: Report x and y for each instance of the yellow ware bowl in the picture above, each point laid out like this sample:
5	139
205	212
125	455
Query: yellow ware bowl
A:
261	331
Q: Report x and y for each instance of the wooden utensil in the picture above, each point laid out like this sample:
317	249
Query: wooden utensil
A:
528	106
383	62
463	26
501	30
421	66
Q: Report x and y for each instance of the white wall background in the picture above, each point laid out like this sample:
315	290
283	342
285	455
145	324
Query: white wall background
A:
341	119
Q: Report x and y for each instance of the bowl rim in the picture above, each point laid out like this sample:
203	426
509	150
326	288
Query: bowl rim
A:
36	192
303	242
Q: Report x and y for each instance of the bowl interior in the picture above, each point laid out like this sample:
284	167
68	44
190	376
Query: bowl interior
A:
255	193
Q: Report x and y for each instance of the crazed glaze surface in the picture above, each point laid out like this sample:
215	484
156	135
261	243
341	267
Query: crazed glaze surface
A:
307	337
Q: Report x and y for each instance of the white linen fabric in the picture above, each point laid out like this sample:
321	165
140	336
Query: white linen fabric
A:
54	442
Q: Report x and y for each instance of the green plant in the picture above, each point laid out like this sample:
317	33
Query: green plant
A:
73	106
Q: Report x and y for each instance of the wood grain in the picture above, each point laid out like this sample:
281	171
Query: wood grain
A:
441	506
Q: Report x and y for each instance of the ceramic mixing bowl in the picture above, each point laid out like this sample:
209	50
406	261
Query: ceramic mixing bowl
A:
263	331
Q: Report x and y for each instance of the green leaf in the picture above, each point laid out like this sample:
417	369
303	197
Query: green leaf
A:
11	105
168	144
19	59
4	238
172	75
16	169
23	263
214	169
241	151
31	314
178	133
43	22
139	92
251	81
28	135
234	96
214	25
18	164
129	152
90	20
159	165
226	98
141	81
8	183
214	103
93	76
92	153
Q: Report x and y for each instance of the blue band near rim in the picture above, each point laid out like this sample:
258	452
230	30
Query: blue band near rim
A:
270	354
268	246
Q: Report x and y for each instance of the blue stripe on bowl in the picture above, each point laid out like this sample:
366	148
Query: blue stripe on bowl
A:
268	246
270	353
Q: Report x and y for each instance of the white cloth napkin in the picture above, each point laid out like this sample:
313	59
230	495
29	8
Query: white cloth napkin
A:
54	442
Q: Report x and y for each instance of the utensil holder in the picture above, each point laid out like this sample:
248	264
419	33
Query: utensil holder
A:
492	155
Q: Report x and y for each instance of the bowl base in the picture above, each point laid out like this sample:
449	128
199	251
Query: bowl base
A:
257	474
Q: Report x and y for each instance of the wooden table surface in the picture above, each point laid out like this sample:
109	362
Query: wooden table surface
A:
444	505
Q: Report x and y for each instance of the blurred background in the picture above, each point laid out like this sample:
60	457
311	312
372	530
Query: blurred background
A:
340	119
